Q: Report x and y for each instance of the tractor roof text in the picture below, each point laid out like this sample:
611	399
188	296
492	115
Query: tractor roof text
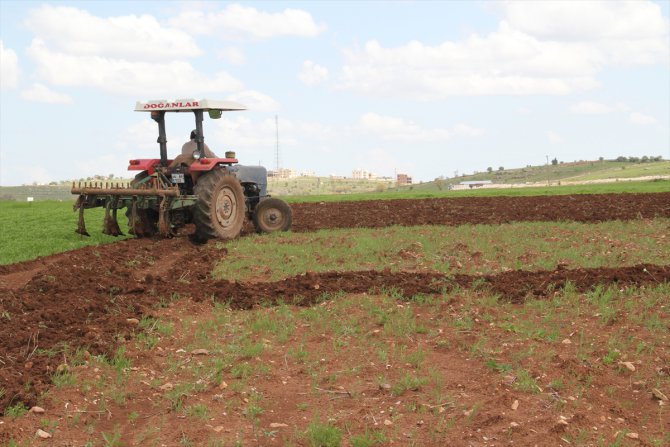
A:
183	105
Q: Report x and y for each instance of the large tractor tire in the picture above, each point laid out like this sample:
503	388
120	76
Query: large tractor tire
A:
148	219
220	209
272	215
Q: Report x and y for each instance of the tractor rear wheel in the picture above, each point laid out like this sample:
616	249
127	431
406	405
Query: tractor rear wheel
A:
220	209
148	218
272	215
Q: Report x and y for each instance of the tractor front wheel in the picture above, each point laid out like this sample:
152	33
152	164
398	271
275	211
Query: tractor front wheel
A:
272	215
220	208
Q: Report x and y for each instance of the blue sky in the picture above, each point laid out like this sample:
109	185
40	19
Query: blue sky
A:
427	88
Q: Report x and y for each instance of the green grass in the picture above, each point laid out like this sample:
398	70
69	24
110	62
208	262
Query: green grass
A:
43	228
626	170
323	435
463	249
16	411
37	229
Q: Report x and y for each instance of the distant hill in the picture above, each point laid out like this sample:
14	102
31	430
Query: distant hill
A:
581	171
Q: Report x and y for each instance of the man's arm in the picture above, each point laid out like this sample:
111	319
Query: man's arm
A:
188	148
208	152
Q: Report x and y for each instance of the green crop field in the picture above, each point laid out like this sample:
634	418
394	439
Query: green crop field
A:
625	170
438	248
45	227
30	230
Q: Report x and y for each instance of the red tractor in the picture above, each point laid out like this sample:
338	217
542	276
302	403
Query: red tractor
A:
215	194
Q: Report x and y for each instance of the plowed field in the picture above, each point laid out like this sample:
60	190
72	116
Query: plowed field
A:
484	210
89	297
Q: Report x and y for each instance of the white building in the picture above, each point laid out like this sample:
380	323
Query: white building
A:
282	173
363	174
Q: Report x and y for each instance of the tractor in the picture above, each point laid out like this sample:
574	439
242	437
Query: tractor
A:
215	194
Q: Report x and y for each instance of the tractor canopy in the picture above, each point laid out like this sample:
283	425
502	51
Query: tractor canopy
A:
158	108
188	105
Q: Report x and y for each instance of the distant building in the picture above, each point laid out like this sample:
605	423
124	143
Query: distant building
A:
362	174
306	173
476	184
404	179
282	173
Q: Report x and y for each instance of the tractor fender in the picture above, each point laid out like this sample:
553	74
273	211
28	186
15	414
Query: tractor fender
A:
251	174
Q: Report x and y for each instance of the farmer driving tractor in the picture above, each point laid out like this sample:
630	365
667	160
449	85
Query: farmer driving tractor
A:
186	157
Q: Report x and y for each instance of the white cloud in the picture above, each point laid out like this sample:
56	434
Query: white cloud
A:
126	55
468	131
392	128
104	164
139	139
538	48
623	32
9	68
399	129
256	101
312	73
258	136
119	76
593	20
242	21
42	93
381	161
24	174
232	55
640	118
503	63
141	38
242	132
590	108
554	138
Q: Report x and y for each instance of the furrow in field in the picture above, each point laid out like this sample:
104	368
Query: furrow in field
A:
77	305
479	210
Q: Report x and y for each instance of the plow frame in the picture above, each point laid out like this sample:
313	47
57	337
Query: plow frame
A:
154	192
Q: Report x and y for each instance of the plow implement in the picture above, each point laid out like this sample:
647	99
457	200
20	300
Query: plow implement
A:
148	204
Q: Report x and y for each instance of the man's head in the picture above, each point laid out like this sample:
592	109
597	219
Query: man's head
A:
194	132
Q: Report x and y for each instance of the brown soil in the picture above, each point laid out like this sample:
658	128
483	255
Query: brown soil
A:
85	297
479	210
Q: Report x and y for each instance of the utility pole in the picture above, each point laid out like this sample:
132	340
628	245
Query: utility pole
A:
277	148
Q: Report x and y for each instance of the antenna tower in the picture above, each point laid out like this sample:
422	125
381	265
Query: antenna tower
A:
277	160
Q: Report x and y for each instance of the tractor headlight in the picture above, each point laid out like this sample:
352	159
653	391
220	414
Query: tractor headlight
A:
197	155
